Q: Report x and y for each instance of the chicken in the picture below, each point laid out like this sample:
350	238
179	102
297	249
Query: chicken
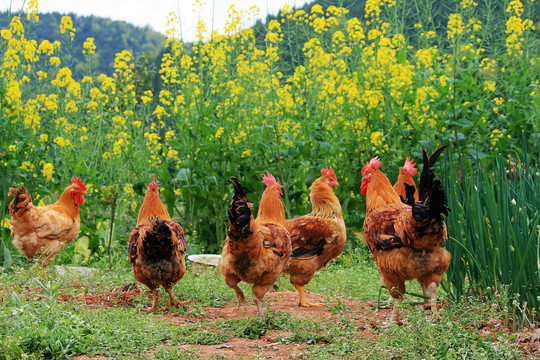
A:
157	248
43	231
405	240
318	237
255	250
406	174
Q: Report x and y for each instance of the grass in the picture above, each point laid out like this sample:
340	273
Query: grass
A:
34	324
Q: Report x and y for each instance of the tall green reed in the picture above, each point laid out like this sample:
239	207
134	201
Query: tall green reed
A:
494	230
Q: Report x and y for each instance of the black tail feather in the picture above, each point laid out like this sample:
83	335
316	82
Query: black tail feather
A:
431	190
158	241
239	211
409	193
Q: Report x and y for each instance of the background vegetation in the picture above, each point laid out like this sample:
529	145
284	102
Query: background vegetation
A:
321	88
110	38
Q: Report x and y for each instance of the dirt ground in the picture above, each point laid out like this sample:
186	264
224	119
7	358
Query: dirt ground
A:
284	301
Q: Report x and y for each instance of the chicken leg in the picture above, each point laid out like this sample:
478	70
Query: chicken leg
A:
303	300
155	300
258	292
432	288
232	282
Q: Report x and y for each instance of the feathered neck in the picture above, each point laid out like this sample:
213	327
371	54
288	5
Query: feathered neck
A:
379	191
405	177
152	207
271	208
323	200
67	204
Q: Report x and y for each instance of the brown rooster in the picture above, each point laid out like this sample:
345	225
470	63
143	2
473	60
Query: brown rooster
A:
255	250
318	237
405	240
43	231
157	247
406	174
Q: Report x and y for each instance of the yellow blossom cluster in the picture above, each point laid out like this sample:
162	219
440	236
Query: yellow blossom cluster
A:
516	28
66	26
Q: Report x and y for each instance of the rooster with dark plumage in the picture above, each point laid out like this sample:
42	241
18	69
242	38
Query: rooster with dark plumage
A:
255	250
406	240
157	248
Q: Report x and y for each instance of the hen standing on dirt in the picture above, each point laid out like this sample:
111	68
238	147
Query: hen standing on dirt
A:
255	249
43	231
405	240
157	248
318	237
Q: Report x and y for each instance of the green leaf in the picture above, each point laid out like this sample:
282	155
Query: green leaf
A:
7	257
183	174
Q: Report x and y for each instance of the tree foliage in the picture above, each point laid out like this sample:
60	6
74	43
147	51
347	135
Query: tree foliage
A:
111	37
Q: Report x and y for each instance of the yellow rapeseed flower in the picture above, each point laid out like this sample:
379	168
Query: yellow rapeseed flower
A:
128	189
27	166
495	136
16	26
66	25
60	141
6	34
89	47
489	85
47	171
219	132
376	138
32	10
455	26
55	60
41	75
169	135
172	154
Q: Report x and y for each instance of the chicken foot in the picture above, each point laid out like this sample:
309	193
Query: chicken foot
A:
303	299
173	300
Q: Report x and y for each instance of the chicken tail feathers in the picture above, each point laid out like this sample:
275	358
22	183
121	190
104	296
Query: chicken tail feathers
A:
409	193
20	203
239	212
158	241
431	190
304	253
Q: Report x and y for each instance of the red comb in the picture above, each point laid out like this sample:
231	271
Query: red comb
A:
410	166
375	163
269	179
328	172
153	184
75	180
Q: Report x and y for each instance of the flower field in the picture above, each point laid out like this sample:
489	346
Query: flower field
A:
321	89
